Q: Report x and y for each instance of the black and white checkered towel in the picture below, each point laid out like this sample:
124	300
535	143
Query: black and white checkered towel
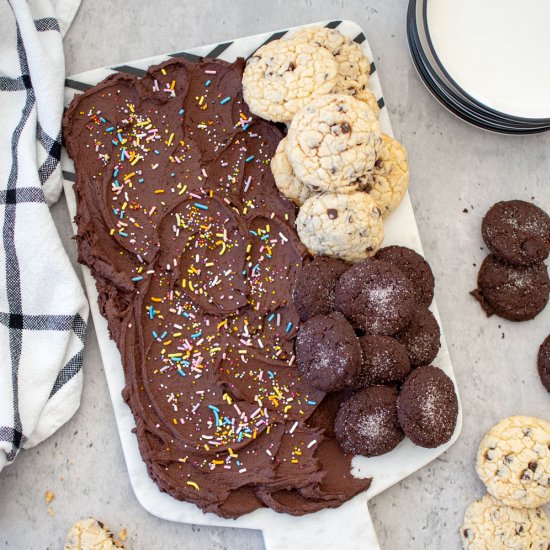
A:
43	310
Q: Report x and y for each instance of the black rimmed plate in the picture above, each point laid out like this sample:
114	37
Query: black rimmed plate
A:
446	92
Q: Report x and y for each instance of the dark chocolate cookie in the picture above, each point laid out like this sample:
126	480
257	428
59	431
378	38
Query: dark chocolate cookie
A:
428	407
328	354
385	360
313	292
517	232
421	338
543	363
415	268
376	297
515	293
367	422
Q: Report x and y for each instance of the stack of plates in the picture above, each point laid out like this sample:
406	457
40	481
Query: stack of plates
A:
486	61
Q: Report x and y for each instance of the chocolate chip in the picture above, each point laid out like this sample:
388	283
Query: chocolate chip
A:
291	66
525	475
379	163
332	213
369	249
466	533
345	127
533	465
519	530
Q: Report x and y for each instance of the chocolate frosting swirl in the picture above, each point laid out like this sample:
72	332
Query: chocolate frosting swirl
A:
194	254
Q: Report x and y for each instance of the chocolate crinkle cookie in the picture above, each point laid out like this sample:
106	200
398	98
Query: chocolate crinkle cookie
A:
517	232
515	293
367	422
543	363
313	292
376	297
328	352
428	407
384	360
421	337
415	268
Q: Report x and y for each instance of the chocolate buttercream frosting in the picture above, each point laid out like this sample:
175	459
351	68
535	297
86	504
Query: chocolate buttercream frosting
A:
194	254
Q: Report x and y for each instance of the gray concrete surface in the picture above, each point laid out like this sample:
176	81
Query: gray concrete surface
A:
453	167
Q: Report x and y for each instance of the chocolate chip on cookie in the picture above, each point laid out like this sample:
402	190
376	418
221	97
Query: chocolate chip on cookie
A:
328	354
384	360
421	337
313	292
517	232
376	297
515	293
367	422
415	268
428	407
543	363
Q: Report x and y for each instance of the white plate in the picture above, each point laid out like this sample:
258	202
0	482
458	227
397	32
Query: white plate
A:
497	51
281	531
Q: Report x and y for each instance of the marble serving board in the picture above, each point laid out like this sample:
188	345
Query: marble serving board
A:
350	525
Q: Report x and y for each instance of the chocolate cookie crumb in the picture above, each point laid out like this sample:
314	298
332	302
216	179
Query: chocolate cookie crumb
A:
313	292
515	293
385	360
367	422
517	232
428	407
328	354
414	267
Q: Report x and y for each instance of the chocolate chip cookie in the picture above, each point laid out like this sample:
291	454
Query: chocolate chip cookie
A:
513	460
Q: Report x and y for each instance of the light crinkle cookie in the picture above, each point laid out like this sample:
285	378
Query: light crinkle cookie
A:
490	525
390	177
284	75
513	461
90	534
285	179
346	226
353	64
333	142
366	96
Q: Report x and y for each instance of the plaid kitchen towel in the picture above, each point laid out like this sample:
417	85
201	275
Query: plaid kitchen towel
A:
43	311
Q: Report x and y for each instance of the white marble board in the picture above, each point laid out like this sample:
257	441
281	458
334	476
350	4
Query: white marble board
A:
350	525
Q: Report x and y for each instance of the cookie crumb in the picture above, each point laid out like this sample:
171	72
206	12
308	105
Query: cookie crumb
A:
123	534
48	496
51	513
